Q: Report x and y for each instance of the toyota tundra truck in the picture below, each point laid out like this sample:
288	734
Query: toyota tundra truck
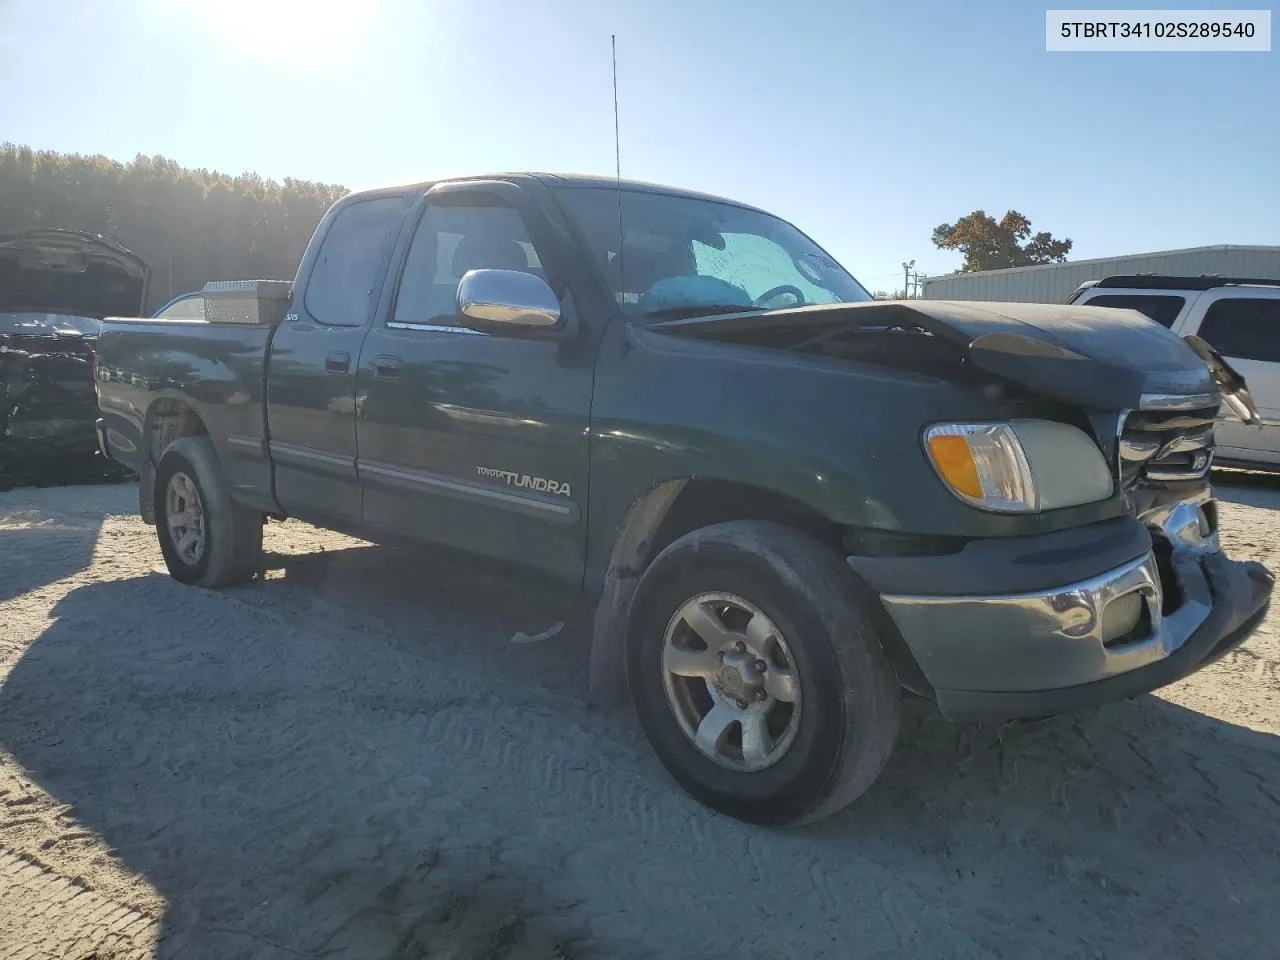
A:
787	501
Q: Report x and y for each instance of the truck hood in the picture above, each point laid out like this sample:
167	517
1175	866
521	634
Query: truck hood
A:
1094	357
69	272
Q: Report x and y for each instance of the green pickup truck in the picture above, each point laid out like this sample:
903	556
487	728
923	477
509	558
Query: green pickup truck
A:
786	500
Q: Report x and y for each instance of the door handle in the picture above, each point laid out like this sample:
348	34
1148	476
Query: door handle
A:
337	363
386	368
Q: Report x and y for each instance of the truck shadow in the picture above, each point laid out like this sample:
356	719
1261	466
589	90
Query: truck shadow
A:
59	470
353	760
39	555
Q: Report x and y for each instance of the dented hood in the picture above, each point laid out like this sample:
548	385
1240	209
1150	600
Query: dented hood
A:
1097	357
69	272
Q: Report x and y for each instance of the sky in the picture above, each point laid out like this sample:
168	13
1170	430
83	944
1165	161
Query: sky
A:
865	124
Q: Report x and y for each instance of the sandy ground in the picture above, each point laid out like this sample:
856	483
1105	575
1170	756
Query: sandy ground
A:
351	759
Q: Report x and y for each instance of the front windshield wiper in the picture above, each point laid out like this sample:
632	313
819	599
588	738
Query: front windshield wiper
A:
701	310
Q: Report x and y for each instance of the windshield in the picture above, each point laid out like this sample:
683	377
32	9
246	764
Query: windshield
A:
685	256
46	324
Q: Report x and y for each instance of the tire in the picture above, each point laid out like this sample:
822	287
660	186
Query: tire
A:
229	535
840	724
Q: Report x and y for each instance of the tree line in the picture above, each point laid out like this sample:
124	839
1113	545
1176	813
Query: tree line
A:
191	226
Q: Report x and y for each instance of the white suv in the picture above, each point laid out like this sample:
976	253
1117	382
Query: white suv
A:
1240	319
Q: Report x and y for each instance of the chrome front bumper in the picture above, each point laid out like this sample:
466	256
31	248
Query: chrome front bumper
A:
1034	641
1144	623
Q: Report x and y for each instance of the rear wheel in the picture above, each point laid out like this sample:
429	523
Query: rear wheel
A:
756	676
207	539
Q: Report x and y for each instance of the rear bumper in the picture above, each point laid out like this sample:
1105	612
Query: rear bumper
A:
1069	642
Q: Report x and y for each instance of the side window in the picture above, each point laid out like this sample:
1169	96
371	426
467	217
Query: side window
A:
450	240
1163	310
188	308
353	258
1244	329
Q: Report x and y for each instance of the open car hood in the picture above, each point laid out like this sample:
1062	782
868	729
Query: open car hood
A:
1093	357
69	272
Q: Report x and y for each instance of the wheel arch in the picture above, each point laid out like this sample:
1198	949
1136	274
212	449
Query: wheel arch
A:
669	510
167	419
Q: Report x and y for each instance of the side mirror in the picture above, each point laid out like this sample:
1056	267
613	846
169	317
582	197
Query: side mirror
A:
509	298
1235	392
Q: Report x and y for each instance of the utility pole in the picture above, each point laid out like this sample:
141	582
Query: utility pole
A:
906	278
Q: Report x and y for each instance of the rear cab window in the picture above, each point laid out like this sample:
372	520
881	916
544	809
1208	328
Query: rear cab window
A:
347	274
1162	308
185	308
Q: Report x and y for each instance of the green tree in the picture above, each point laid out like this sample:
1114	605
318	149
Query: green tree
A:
192	226
988	244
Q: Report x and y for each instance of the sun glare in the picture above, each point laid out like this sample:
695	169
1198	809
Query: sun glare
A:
292	27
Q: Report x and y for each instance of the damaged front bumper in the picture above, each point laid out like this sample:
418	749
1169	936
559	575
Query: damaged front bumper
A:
47	399
1060	641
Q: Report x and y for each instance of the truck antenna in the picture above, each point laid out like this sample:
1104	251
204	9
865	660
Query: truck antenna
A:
617	161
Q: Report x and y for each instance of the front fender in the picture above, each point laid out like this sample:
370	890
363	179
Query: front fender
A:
841	437
631	545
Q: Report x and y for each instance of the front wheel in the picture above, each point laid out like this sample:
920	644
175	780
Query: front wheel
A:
207	539
757	677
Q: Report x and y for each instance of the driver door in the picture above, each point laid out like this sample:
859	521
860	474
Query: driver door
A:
469	440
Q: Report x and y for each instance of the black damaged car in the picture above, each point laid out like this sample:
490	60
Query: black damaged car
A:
55	287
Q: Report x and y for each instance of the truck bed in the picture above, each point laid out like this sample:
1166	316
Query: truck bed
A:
216	370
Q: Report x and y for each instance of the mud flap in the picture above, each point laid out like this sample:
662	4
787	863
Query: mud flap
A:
607	683
146	493
607	688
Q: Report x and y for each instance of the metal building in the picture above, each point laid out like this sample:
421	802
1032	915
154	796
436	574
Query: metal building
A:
1054	282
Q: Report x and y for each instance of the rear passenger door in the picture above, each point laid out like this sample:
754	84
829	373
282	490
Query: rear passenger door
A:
311	374
1245	328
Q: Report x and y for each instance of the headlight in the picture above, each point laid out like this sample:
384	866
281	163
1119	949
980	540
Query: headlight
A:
1022	466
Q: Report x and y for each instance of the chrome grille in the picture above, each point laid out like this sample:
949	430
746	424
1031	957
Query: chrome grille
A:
1166	445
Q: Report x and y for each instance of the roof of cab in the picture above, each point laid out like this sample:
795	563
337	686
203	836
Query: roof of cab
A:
558	180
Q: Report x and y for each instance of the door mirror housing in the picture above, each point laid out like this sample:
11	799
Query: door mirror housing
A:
509	299
1235	392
